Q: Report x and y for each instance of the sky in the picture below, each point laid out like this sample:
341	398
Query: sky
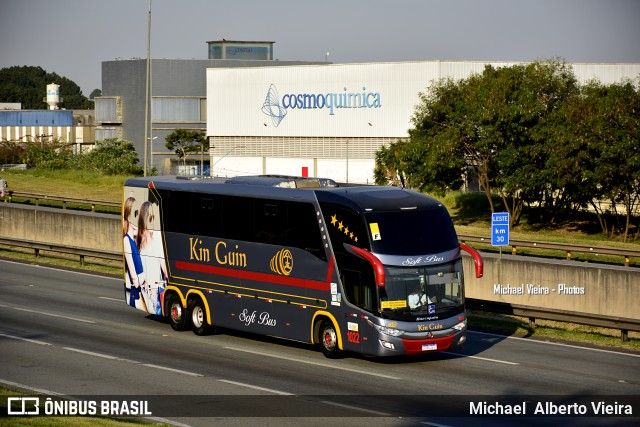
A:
73	37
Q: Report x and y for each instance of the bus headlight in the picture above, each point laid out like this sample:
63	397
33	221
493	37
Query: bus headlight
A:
460	326
387	331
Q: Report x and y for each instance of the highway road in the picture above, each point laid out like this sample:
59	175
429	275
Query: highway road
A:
70	333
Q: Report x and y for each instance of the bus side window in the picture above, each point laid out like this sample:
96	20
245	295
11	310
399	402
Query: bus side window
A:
270	222
302	229
359	287
206	213
237	218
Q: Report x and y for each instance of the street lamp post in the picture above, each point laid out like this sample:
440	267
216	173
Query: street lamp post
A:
150	141
148	88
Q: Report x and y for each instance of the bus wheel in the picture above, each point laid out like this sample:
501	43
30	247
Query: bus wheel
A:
329	340
176	312
198	314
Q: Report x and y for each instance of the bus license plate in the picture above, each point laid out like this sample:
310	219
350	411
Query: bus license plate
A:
429	347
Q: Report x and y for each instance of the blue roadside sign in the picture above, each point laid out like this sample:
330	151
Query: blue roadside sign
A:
500	229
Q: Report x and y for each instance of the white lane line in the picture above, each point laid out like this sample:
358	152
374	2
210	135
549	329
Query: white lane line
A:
178	371
355	408
58	269
92	353
291	359
25	339
44	313
557	344
27	387
255	387
120	359
113	299
504	362
427	423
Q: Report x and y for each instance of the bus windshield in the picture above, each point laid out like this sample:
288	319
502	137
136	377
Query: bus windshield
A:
422	291
411	232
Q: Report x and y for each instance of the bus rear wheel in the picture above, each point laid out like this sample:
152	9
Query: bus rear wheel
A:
329	340
198	315
176	313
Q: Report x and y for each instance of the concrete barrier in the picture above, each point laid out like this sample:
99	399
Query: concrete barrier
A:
58	226
595	289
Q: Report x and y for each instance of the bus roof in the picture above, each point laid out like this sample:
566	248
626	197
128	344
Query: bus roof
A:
362	198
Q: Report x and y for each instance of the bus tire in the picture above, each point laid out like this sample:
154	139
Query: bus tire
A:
176	313
329	340
198	316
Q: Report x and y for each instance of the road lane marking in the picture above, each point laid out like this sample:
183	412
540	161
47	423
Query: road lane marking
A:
355	408
44	313
427	423
166	368
25	339
113	299
480	358
557	344
120	359
255	387
27	387
291	359
92	353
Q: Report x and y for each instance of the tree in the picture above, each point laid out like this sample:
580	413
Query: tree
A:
111	156
185	141
492	122
28	86
95	93
603	129
389	166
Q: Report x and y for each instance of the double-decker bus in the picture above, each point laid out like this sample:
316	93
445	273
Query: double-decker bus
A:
368	269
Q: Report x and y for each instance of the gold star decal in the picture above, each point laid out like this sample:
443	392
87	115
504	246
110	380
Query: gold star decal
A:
340	226
346	230
334	219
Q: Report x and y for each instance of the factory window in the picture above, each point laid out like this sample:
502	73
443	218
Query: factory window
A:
176	109
102	134
106	110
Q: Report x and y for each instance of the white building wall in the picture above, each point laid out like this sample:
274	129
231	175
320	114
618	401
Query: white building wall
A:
256	126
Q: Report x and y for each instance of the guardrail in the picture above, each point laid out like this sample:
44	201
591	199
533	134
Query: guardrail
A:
569	249
73	250
64	199
532	313
627	253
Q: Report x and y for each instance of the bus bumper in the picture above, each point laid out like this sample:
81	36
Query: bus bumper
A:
393	346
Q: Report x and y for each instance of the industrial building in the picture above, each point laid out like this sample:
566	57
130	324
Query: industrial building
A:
265	116
178	98
330	120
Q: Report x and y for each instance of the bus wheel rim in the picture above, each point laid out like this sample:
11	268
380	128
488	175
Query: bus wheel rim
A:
198	317
329	339
176	312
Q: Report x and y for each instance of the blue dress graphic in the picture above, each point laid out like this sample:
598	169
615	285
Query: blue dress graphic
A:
137	263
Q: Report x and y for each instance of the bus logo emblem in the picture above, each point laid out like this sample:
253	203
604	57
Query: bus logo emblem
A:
282	262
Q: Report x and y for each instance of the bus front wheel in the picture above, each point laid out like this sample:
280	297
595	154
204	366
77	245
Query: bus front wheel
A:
198	314
329	340
176	313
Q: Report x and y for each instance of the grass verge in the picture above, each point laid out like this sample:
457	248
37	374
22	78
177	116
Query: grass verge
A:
551	331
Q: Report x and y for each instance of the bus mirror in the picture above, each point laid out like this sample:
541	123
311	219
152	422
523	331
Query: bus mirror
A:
378	267
477	259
